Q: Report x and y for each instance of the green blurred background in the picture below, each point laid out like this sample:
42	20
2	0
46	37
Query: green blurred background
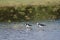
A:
24	10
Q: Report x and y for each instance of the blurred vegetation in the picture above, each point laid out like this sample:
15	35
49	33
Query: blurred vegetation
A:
29	13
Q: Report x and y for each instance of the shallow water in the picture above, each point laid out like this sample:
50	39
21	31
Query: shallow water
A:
17	31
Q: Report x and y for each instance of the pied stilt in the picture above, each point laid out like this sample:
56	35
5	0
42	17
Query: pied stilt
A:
40	25
28	26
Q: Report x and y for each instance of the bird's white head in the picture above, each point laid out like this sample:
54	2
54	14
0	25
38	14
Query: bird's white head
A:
37	23
25	24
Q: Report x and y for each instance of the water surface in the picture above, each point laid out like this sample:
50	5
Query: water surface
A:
17	31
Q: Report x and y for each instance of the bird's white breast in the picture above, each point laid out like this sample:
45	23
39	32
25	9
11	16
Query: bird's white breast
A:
27	26
39	25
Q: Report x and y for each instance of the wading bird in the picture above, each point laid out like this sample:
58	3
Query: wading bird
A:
28	26
40	25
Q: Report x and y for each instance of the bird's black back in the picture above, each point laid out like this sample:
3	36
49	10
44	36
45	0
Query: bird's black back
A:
29	24
41	24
